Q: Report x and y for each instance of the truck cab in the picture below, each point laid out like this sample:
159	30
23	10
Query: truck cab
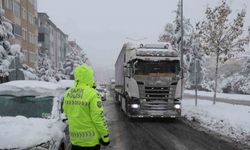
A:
148	85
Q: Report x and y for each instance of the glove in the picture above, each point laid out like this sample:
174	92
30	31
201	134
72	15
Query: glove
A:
104	143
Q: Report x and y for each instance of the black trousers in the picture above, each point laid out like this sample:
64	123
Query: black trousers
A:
74	147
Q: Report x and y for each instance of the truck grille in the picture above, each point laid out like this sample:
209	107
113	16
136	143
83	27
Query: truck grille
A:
158	105
157	92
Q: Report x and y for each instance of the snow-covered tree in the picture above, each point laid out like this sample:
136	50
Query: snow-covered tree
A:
246	70
74	58
7	52
45	72
172	31
60	73
172	34
221	38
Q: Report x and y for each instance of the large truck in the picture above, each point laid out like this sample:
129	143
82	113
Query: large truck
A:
148	81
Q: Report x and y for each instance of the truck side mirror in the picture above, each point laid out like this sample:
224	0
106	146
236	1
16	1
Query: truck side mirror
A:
125	65
127	72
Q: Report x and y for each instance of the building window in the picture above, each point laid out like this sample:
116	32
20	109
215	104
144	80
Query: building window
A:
35	21
25	55
33	57
17	9
41	37
30	37
31	18
24	13
24	34
17	30
35	39
8	4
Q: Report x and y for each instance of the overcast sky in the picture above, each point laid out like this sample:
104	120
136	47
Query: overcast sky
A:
100	27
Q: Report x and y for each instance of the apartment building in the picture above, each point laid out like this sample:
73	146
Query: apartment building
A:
52	40
22	14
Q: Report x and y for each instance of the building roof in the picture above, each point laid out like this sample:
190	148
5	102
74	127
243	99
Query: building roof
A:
40	14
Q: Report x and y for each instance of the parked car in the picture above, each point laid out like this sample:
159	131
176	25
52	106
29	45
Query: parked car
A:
31	116
103	92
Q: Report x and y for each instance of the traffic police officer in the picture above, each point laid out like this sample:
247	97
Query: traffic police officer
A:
84	109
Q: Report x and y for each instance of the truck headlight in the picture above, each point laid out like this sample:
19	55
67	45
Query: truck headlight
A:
177	106
135	106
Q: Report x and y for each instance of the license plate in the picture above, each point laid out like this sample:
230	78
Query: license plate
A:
157	113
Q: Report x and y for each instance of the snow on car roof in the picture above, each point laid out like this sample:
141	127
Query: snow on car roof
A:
29	87
32	84
66	83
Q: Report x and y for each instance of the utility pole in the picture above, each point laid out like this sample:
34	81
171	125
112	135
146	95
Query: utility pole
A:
182	33
196	80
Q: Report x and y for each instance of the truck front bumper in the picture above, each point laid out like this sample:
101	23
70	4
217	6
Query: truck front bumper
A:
174	113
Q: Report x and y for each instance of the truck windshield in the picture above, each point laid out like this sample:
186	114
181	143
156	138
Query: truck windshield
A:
156	67
28	106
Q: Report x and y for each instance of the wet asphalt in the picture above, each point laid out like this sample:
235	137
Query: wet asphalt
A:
148	134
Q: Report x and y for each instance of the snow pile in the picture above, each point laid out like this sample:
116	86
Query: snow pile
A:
157	52
66	83
30	87
29	73
225	119
32	84
21	132
148	45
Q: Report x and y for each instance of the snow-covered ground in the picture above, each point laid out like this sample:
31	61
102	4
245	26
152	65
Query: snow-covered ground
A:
219	95
225	119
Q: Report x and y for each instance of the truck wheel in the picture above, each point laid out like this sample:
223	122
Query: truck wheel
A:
116	97
119	99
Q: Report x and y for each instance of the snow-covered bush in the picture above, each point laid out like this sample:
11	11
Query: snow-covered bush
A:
45	72
233	76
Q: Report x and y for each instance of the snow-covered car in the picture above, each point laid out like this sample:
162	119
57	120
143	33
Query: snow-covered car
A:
66	84
30	116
